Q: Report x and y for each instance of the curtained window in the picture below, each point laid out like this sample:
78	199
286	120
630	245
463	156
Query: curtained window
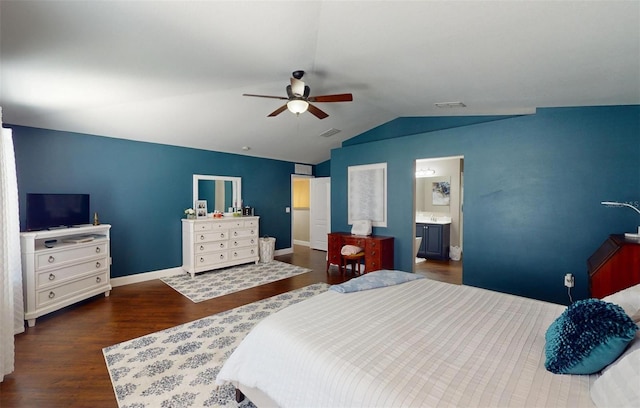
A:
11	306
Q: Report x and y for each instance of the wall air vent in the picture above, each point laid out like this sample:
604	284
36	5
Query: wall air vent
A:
450	105
330	132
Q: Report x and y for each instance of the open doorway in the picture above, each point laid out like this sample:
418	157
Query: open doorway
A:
438	218
300	210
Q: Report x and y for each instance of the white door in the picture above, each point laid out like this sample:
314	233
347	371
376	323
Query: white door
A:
319	212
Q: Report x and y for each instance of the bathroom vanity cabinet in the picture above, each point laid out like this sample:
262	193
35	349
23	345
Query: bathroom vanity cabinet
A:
435	240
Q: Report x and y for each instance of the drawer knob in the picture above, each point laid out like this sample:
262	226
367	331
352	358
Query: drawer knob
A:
97	264
98	279
201	259
202	247
52	276
51	295
97	250
222	245
253	241
373	253
235	243
252	232
235	254
253	251
235	233
51	259
201	237
222	235
221	256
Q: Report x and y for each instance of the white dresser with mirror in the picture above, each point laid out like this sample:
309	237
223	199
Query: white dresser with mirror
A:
210	243
214	243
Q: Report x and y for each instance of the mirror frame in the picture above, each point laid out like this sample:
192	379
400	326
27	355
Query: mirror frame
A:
236	183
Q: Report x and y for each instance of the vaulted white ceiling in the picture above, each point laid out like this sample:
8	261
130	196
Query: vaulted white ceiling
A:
174	72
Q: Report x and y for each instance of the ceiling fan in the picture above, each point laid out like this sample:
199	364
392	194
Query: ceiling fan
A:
299	101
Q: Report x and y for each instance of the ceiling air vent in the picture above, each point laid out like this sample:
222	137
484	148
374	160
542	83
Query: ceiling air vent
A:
330	132
450	105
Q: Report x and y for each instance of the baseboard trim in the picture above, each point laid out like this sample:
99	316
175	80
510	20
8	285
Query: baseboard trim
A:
283	251
146	276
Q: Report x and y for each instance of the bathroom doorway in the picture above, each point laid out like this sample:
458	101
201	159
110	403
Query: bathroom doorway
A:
438	218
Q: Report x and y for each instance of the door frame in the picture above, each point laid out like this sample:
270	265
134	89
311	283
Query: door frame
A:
461	195
292	218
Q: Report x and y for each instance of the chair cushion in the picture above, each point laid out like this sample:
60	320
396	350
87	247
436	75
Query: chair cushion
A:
350	250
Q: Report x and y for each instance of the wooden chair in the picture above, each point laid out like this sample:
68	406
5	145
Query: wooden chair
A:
353	260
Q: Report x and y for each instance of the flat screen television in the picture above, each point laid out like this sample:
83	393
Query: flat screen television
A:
46	211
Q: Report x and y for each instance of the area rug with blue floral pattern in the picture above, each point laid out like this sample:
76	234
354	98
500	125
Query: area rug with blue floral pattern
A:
177	367
208	285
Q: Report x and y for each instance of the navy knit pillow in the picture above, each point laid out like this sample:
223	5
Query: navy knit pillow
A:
587	337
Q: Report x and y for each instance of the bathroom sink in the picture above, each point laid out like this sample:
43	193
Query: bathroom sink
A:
434	220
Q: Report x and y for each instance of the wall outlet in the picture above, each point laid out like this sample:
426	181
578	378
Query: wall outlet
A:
568	280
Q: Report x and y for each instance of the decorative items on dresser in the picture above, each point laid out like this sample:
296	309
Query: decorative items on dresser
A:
210	243
614	265
378	250
63	266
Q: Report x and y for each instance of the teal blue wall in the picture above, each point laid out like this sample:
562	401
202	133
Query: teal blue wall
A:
532	187
142	189
413	125
323	169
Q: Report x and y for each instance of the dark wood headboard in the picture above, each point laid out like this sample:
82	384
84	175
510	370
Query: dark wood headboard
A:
614	266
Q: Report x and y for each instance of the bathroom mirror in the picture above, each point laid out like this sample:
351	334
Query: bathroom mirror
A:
221	192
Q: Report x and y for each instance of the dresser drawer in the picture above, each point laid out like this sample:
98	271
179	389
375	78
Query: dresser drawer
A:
251	223
236	224
210	226
211	236
60	293
239	233
210	246
212	258
55	258
243	253
354	240
57	276
243	242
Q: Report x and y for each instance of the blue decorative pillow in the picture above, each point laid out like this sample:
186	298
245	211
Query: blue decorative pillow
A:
373	280
587	337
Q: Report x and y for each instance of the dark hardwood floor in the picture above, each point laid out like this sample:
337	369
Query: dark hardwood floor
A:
59	361
445	271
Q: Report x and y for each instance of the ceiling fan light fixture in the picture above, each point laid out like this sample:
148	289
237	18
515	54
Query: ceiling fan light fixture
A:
297	106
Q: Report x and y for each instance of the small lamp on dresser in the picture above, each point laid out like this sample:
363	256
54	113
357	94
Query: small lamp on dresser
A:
617	204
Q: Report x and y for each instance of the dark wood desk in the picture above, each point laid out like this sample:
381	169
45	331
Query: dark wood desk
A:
378	250
614	266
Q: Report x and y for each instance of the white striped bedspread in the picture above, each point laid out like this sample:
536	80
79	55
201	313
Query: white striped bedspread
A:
421	343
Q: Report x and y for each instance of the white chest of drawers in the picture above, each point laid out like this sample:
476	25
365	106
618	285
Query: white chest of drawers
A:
61	267
211	243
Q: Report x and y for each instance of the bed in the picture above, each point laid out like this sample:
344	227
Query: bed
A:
417	343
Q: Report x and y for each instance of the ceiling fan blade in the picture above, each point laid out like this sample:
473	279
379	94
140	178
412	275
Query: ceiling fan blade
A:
297	86
346	97
317	112
266	96
278	111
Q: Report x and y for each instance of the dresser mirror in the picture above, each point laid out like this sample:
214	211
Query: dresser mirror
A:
221	192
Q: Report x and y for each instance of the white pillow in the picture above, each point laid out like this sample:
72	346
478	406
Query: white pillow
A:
350	250
619	383
628	299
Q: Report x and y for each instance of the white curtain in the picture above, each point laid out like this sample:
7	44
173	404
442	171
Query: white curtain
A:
11	306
